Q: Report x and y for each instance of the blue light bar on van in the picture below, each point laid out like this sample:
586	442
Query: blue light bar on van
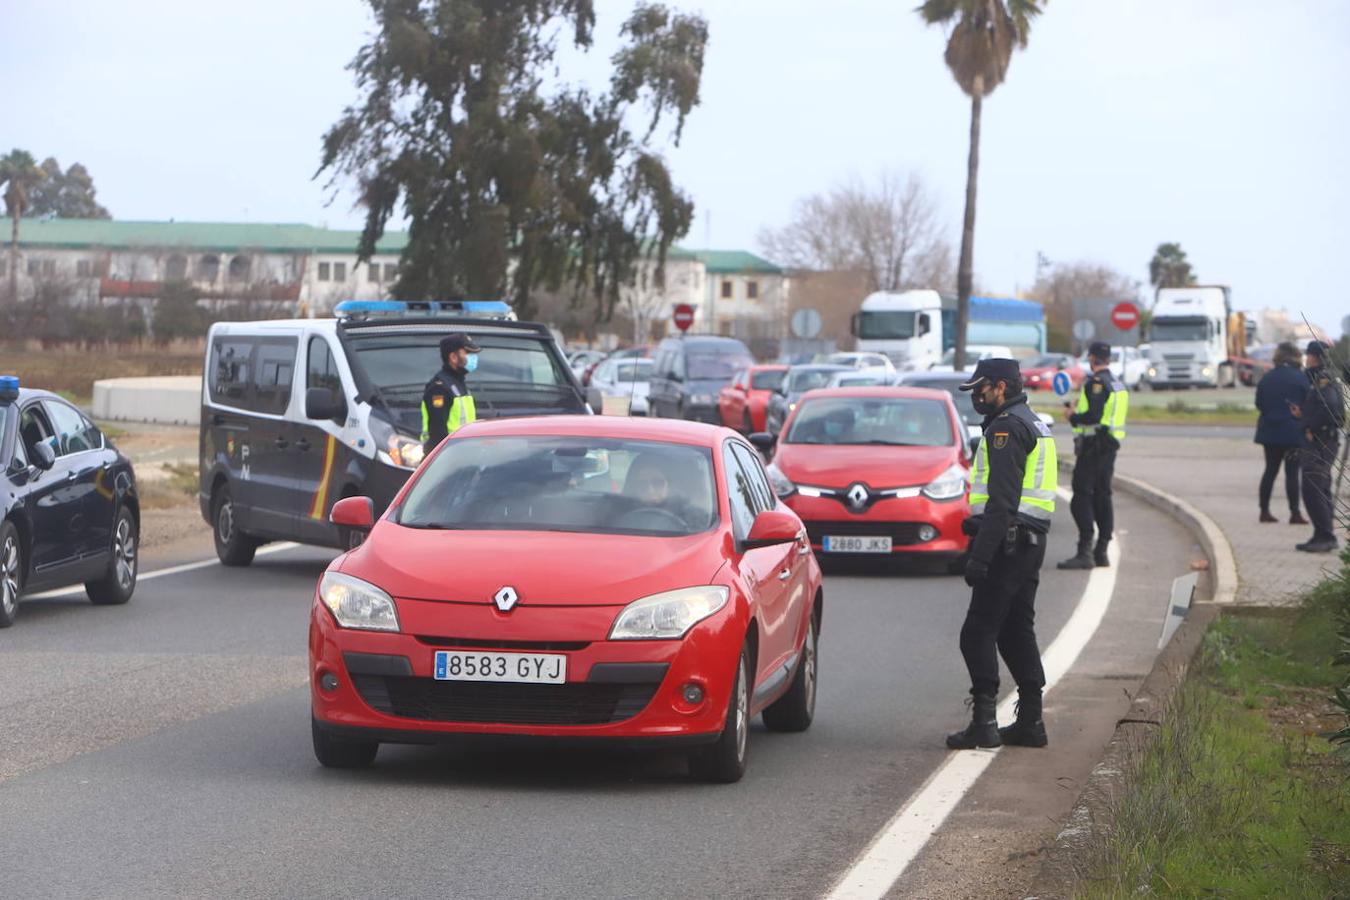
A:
364	309
9	387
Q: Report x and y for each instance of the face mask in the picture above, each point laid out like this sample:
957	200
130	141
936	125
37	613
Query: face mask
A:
982	406
471	364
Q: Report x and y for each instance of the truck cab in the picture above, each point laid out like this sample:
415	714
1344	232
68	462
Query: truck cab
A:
1189	345
906	326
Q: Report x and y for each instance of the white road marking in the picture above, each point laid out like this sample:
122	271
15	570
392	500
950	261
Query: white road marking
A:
899	842
171	570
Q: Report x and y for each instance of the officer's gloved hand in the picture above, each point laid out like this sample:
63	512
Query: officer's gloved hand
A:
976	571
969	528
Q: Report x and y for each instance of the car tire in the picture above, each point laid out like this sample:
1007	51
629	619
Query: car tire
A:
233	546
11	572
723	762
794	710
119	582
333	753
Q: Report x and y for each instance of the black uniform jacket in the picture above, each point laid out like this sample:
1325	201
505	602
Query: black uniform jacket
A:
1324	407
1010	435
1098	386
444	386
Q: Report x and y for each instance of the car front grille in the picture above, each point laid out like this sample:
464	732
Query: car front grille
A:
574	703
900	533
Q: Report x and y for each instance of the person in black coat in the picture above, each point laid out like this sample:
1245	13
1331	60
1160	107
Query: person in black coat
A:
1278	431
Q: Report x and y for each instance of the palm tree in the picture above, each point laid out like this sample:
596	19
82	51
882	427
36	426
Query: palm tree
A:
983	35
19	172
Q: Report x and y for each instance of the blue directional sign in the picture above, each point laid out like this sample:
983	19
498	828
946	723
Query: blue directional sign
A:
1062	384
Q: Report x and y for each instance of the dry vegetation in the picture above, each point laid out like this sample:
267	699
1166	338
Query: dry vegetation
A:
73	370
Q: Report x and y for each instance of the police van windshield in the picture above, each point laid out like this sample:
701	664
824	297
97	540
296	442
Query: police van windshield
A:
515	375
586	485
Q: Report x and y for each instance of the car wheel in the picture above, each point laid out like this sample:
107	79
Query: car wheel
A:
11	573
333	753
118	584
724	761
794	710
232	546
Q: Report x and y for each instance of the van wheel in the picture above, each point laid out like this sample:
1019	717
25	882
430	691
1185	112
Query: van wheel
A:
233	546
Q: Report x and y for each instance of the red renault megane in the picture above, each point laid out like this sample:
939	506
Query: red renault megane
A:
571	577
875	471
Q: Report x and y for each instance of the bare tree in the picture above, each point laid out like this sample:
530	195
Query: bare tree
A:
889	230
1060	285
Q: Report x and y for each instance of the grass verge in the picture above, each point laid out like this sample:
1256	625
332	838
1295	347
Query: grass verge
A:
1241	795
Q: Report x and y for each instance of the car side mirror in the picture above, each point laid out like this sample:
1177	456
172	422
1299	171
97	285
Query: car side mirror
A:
322	403
763	442
44	457
354	512
772	527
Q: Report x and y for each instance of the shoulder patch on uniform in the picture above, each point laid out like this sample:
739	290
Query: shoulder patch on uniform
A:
1096	387
438	401
1000	440
1323	381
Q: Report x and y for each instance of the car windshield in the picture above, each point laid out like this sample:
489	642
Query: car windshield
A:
716	366
767	381
896	421
802	380
886	325
515	374
639	370
1180	329
586	485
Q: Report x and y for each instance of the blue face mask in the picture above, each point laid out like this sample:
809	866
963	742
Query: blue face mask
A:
471	364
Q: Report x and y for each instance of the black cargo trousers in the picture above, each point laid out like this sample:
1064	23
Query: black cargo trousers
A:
1002	620
1093	468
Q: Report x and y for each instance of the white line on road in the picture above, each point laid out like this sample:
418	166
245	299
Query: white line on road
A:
899	842
171	570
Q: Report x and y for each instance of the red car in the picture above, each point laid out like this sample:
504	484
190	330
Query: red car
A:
570	577
878	471
744	403
1039	374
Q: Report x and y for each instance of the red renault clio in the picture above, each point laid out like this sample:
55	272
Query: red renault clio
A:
876	471
571	577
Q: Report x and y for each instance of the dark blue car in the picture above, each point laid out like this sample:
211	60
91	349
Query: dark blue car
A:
68	506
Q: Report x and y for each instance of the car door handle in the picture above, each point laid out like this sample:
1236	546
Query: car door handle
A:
302	444
217	419
282	443
72	475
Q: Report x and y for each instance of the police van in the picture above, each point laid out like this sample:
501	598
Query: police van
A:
297	414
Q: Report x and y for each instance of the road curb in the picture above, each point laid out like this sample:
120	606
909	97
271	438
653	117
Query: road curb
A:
1092	815
1222	564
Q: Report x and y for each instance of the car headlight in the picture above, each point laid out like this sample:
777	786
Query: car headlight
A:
781	484
668	616
947	486
357	604
1206	371
393	448
1152	372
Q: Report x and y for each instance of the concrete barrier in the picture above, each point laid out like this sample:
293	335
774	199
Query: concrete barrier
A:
166	400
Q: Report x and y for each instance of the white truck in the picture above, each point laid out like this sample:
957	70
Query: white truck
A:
915	328
1191	338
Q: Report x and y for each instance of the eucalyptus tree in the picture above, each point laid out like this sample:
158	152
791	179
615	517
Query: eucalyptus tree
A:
19	174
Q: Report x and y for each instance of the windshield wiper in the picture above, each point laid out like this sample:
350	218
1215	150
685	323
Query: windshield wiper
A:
894	443
432	526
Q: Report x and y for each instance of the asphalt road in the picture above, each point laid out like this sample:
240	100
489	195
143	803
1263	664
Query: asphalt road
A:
162	749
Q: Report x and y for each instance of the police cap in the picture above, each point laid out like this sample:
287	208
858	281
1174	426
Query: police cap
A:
1318	349
1099	350
457	341
993	370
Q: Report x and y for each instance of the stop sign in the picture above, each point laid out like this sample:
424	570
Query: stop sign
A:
1125	316
684	316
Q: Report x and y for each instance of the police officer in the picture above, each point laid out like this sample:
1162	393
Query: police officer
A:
1322	414
1012	497
1099	429
447	405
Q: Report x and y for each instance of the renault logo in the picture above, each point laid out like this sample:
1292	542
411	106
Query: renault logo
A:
506	599
858	495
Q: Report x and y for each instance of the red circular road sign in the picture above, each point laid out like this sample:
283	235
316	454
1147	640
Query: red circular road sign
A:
684	316
1125	316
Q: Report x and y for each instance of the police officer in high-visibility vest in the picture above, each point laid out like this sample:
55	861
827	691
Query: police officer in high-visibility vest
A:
447	405
1012	498
1098	431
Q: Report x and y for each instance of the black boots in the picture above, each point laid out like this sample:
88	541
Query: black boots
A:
1081	560
1029	729
983	729
1266	516
1099	557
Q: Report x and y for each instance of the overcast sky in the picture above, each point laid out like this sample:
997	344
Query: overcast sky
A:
1124	124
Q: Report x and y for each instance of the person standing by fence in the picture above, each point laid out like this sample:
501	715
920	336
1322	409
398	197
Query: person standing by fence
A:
1280	389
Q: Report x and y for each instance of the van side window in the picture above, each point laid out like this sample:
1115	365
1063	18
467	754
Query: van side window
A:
274	370
230	368
322	369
